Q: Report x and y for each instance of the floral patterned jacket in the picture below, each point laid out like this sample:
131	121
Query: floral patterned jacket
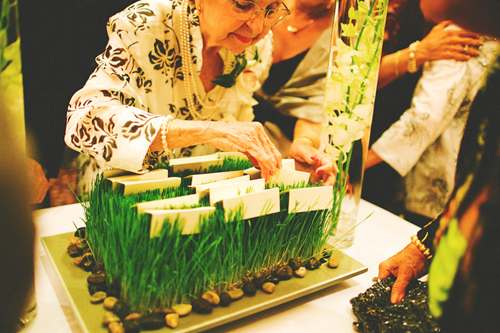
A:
423	144
139	80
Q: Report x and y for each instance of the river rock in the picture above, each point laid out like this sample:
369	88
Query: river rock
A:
133	316
301	272
98	268
132	326
249	288
312	263
97	279
272	278
259	281
116	327
211	297
236	293
295	264
182	309
109	317
109	302
121	309
284	273
98	297
269	287
152	322
74	239
225	299
201	306
333	262
73	251
80	232
172	320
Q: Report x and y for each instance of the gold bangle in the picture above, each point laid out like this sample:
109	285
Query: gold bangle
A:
412	62
164	131
424	249
396	63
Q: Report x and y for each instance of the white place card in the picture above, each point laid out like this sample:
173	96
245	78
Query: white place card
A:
131	187
154	174
289	177
115	173
253	204
206	178
203	189
171	203
288	163
189	219
234	190
310	199
195	162
253	172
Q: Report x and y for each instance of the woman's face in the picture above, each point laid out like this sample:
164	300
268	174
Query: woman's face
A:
220	29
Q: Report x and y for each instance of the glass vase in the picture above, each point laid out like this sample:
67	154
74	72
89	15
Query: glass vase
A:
355	52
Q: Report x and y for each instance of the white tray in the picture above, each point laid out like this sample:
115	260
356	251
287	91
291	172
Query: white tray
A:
74	281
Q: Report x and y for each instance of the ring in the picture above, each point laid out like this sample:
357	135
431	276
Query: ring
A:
466	49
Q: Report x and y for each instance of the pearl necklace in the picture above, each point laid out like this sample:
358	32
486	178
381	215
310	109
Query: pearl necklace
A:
189	73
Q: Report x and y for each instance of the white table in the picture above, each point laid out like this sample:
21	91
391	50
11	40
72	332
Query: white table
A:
380	236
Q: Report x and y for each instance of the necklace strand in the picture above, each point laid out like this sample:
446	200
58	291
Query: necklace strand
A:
190	81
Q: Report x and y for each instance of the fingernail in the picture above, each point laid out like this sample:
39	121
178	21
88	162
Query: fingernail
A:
314	158
320	172
396	299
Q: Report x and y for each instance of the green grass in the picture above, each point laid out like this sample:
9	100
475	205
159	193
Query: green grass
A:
174	268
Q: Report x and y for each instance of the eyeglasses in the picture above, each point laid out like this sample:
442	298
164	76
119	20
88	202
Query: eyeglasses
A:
246	10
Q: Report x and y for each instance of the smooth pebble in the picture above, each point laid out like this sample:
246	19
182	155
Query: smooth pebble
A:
172	320
269	287
182	309
211	297
333	262
98	297
301	272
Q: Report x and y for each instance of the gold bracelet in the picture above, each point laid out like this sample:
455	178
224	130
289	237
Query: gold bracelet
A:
424	249
412	62
396	63
164	131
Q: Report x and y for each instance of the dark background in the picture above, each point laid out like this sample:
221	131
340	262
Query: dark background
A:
59	42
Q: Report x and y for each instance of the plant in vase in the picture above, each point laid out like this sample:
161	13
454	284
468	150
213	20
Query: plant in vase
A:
357	37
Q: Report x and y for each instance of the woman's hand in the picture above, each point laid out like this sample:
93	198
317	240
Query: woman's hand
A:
309	159
245	137
448	44
407	265
250	139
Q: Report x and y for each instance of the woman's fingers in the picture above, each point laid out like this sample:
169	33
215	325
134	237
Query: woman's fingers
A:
250	139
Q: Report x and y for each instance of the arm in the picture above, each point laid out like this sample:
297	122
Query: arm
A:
441	90
112	118
441	43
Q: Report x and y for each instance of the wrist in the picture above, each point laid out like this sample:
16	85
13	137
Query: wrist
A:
306	140
426	252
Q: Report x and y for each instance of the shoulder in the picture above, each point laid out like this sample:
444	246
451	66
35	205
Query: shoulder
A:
143	13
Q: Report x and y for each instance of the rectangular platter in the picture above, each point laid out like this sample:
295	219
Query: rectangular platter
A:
74	281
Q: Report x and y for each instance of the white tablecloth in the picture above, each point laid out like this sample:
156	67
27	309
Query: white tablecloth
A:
380	236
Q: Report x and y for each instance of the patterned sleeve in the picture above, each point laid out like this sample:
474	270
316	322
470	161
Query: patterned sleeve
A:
107	118
438	96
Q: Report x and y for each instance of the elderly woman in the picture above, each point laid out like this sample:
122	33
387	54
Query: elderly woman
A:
170	68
